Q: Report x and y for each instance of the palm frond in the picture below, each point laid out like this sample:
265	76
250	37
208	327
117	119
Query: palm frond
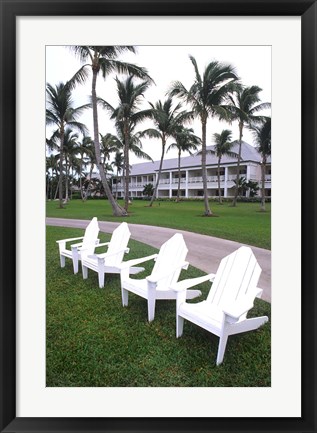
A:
260	107
82	52
104	104
108	66
80	77
139	152
151	133
178	89
197	74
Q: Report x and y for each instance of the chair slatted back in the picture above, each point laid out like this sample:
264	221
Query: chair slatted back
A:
237	277
172	255
91	236
118	243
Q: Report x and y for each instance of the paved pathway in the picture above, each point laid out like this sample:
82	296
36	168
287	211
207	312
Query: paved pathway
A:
204	252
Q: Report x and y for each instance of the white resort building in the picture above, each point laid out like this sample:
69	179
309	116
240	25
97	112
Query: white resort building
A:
191	179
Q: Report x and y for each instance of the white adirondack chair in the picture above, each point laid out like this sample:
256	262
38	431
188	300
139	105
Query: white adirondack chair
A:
88	243
109	262
231	296
168	265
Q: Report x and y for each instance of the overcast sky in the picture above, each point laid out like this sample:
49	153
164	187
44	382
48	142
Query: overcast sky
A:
165	64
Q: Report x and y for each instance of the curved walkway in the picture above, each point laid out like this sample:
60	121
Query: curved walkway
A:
204	252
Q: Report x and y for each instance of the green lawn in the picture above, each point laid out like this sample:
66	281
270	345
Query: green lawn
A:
93	341
244	223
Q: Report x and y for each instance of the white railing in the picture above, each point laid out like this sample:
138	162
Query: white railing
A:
232	176
175	180
164	181
196	179
268	178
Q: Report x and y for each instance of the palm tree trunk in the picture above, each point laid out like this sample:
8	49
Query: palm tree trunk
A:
263	167
89	183
127	167
179	175
66	179
61	151
219	189
159	172
80	180
117	184
236	192
57	190
203	166
116	209
81	188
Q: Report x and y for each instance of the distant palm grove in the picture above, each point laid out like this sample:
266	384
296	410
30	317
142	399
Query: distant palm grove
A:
81	161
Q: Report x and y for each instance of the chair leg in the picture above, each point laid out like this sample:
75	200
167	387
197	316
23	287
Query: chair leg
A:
179	325
221	348
75	265
85	272
151	308
75	256
101	279
62	260
125	297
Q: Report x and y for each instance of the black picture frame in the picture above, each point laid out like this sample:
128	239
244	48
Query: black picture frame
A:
9	10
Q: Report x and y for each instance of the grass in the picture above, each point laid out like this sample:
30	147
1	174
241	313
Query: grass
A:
92	341
244	223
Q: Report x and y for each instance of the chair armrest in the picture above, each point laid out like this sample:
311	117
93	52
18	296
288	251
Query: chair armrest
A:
70	240
154	278
191	282
103	244
76	246
105	255
237	309
133	262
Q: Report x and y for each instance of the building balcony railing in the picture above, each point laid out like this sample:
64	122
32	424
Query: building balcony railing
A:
175	180
196	179
191	181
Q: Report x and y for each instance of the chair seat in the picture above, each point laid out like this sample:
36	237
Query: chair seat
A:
202	313
136	286
140	287
66	253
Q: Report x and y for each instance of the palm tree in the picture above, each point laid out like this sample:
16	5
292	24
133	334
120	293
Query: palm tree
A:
206	97
241	185
71	148
51	169
118	163
109	144
104	59
223	146
61	113
245	104
86	153
167	120
127	116
148	190
262	138
186	141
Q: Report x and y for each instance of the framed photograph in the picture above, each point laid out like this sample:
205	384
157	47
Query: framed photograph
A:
27	403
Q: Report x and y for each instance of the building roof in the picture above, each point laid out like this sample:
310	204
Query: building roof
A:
248	153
